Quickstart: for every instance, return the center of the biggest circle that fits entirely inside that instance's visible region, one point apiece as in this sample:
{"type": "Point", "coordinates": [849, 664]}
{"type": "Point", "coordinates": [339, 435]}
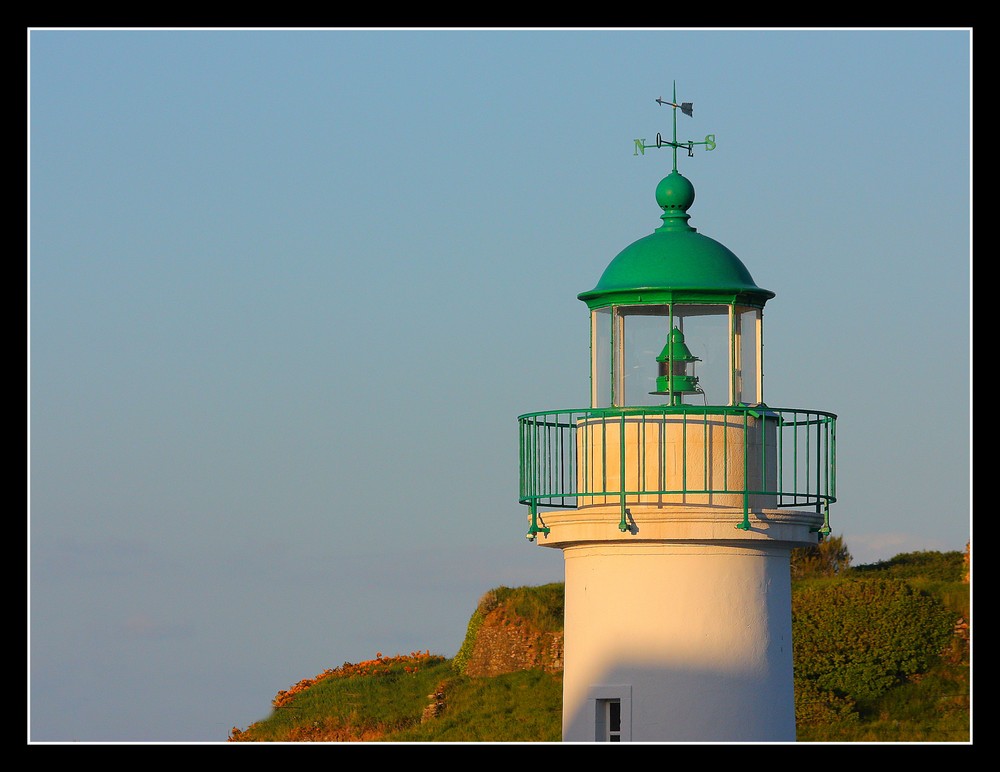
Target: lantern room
{"type": "Point", "coordinates": [676, 318]}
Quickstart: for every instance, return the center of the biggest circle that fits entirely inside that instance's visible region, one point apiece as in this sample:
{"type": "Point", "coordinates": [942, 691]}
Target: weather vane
{"type": "Point", "coordinates": [688, 109]}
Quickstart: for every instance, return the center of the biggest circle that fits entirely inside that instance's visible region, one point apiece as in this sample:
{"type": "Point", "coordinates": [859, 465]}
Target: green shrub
{"type": "Point", "coordinates": [828, 558]}
{"type": "Point", "coordinates": [927, 565]}
{"type": "Point", "coordinates": [859, 638]}
{"type": "Point", "coordinates": [814, 707]}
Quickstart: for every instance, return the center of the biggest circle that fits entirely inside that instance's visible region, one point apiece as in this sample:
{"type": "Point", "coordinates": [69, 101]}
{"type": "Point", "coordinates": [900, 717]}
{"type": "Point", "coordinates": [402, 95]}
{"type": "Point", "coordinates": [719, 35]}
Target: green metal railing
{"type": "Point", "coordinates": [678, 454]}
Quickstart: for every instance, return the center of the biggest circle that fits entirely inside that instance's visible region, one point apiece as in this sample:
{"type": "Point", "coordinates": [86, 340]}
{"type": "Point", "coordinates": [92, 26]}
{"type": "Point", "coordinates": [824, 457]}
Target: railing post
{"type": "Point", "coordinates": [623, 523]}
{"type": "Point", "coordinates": [745, 525]}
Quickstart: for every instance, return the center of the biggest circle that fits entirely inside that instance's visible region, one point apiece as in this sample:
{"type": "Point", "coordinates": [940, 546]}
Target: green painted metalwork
{"type": "Point", "coordinates": [672, 380]}
{"type": "Point", "coordinates": [623, 523]}
{"type": "Point", "coordinates": [675, 263]}
{"type": "Point", "coordinates": [554, 458]}
{"type": "Point", "coordinates": [688, 109]}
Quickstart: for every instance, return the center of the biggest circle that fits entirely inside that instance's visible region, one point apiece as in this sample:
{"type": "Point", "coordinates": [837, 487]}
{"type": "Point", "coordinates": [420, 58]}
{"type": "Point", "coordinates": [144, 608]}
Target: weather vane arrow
{"type": "Point", "coordinates": [687, 108]}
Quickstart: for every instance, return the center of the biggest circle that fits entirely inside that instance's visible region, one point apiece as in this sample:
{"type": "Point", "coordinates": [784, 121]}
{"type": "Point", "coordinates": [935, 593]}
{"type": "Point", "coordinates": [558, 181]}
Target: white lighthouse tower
{"type": "Point", "coordinates": [677, 496]}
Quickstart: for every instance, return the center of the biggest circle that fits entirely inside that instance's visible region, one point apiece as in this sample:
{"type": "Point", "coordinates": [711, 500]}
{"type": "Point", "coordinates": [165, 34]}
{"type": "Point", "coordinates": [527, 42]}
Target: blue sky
{"type": "Point", "coordinates": [290, 289]}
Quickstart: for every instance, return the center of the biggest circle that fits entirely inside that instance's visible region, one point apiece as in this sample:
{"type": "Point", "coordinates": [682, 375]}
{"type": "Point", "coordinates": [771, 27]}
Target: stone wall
{"type": "Point", "coordinates": [506, 643]}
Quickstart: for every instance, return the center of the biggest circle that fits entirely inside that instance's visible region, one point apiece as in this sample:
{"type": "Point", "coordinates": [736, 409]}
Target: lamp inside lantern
{"type": "Point", "coordinates": [676, 369]}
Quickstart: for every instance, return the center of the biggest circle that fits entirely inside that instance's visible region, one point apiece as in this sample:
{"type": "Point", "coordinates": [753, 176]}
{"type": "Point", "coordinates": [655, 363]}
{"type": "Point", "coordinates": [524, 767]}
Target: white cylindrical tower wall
{"type": "Point", "coordinates": [694, 638]}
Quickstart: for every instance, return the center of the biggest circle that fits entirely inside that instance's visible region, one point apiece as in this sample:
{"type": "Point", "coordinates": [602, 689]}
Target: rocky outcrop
{"type": "Point", "coordinates": [505, 642]}
{"type": "Point", "coordinates": [436, 705]}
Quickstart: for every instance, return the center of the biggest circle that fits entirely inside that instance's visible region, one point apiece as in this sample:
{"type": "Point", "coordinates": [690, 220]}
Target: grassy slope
{"type": "Point", "coordinates": [517, 707]}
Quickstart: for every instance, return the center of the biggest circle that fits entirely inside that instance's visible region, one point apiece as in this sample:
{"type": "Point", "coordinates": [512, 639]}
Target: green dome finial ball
{"type": "Point", "coordinates": [675, 192]}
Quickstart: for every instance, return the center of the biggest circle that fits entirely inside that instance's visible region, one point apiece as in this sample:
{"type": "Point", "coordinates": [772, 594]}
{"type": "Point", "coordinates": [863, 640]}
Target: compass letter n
{"type": "Point", "coordinates": [640, 147]}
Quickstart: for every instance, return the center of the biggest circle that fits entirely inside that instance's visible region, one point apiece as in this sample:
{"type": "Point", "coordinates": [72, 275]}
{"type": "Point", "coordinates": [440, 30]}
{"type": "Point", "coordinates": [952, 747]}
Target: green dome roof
{"type": "Point", "coordinates": [675, 263]}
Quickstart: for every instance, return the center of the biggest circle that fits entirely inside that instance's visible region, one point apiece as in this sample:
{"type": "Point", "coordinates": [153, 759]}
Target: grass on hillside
{"type": "Point", "coordinates": [517, 707]}
{"type": "Point", "coordinates": [353, 702]}
{"type": "Point", "coordinates": [389, 703]}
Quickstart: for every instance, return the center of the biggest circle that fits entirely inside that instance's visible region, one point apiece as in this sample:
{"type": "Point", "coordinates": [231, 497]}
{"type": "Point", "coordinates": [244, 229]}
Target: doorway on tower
{"type": "Point", "coordinates": [612, 713]}
{"type": "Point", "coordinates": [610, 729]}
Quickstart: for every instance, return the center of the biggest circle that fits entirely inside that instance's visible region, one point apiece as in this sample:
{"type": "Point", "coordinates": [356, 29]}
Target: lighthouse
{"type": "Point", "coordinates": [677, 495]}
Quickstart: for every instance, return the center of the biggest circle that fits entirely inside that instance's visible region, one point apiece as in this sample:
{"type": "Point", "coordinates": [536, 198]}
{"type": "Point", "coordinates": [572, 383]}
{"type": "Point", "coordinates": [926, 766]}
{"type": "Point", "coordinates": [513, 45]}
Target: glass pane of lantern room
{"type": "Point", "coordinates": [641, 335]}
{"type": "Point", "coordinates": [706, 330]}
{"type": "Point", "coordinates": [643, 332]}
{"type": "Point", "coordinates": [600, 357]}
{"type": "Point", "coordinates": [747, 381]}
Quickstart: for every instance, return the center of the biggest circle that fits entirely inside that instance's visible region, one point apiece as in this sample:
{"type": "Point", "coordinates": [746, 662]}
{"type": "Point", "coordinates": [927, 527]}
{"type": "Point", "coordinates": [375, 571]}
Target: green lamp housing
{"type": "Point", "coordinates": [673, 378]}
